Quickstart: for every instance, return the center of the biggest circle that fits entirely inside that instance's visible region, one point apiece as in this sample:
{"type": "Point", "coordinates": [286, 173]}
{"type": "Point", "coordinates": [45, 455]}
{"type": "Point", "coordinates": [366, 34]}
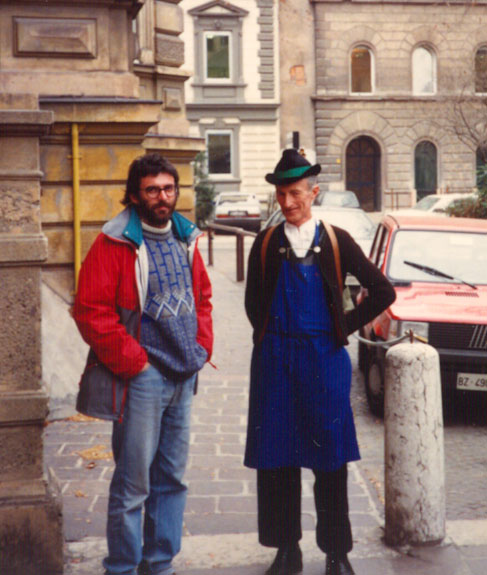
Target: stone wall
{"type": "Point", "coordinates": [30, 508]}
{"type": "Point", "coordinates": [297, 73]}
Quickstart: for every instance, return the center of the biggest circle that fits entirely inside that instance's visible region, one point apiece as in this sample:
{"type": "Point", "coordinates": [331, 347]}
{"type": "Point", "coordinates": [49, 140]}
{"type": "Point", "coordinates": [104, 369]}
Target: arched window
{"type": "Point", "coordinates": [425, 169]}
{"type": "Point", "coordinates": [424, 71]}
{"type": "Point", "coordinates": [481, 70]}
{"type": "Point", "coordinates": [362, 70]}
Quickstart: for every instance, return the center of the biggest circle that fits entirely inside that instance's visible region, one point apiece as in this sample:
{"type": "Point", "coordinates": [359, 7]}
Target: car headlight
{"type": "Point", "coordinates": [419, 328]}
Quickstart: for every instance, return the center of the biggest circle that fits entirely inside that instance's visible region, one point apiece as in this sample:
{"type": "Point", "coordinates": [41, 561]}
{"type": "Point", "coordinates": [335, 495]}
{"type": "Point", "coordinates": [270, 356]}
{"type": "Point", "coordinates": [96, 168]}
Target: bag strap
{"type": "Point", "coordinates": [336, 253]}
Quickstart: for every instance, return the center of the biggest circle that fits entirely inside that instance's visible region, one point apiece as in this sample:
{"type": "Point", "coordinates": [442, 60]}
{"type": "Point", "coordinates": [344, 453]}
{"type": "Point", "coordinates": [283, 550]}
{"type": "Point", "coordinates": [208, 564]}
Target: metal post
{"type": "Point", "coordinates": [210, 246]}
{"type": "Point", "coordinates": [75, 156]}
{"type": "Point", "coordinates": [240, 258]}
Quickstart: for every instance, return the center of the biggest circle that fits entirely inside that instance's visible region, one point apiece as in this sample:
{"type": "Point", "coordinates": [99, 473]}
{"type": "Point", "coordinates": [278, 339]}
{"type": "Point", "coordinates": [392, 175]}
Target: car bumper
{"type": "Point", "coordinates": [252, 224]}
{"type": "Point", "coordinates": [453, 362]}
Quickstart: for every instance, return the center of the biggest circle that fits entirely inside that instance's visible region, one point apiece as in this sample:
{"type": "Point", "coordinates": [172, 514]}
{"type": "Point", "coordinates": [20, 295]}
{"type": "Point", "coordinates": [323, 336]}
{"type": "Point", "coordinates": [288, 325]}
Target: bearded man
{"type": "Point", "coordinates": [143, 306]}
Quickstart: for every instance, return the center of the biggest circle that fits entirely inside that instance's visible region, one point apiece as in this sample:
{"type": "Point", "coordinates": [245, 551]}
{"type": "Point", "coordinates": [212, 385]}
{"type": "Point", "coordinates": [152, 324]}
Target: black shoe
{"type": "Point", "coordinates": [288, 561]}
{"type": "Point", "coordinates": [338, 565]}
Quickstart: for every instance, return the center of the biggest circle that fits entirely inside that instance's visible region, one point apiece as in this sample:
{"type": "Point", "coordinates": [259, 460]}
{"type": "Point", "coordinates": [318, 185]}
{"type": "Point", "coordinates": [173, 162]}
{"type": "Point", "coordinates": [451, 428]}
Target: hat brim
{"type": "Point", "coordinates": [282, 179]}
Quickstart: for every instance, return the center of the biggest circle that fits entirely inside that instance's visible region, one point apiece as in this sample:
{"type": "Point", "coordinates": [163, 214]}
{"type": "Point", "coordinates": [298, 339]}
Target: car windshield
{"type": "Point", "coordinates": [459, 254]}
{"type": "Point", "coordinates": [426, 203]}
{"type": "Point", "coordinates": [357, 223]}
{"type": "Point", "coordinates": [343, 199]}
{"type": "Point", "coordinates": [234, 198]}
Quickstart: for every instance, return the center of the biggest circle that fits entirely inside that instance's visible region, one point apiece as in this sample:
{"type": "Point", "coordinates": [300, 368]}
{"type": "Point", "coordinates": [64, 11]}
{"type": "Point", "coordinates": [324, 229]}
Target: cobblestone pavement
{"type": "Point", "coordinates": [220, 519]}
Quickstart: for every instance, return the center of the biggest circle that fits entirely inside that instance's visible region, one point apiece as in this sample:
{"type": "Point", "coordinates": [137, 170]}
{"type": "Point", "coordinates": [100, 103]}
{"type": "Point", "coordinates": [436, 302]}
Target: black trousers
{"type": "Point", "coordinates": [279, 508]}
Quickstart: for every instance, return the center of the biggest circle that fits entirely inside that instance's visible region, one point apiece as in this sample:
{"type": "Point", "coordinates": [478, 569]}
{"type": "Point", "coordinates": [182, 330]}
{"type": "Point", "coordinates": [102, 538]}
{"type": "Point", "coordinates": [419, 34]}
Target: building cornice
{"type": "Point", "coordinates": [132, 6]}
{"type": "Point", "coordinates": [230, 106]}
{"type": "Point", "coordinates": [472, 3]}
{"type": "Point", "coordinates": [395, 98]}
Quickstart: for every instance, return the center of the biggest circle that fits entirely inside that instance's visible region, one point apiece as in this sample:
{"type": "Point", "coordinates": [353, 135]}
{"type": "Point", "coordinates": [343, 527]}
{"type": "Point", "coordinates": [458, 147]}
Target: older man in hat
{"type": "Point", "coordinates": [299, 411]}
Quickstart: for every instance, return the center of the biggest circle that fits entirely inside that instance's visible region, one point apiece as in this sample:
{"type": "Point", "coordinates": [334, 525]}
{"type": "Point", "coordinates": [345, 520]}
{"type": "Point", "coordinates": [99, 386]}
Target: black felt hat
{"type": "Point", "coordinates": [291, 168]}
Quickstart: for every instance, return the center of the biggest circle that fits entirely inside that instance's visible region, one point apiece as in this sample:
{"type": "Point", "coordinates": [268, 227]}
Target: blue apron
{"type": "Point", "coordinates": [299, 408]}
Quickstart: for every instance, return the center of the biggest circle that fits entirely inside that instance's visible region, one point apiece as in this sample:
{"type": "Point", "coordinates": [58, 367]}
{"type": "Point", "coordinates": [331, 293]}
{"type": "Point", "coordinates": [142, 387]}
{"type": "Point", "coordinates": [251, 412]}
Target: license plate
{"type": "Point", "coordinates": [237, 213]}
{"type": "Point", "coordinates": [472, 381]}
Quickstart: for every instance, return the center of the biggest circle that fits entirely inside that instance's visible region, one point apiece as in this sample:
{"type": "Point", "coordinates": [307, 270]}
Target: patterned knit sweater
{"type": "Point", "coordinates": [169, 325]}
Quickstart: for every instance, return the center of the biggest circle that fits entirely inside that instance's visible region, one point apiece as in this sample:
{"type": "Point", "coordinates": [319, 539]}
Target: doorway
{"type": "Point", "coordinates": [363, 172]}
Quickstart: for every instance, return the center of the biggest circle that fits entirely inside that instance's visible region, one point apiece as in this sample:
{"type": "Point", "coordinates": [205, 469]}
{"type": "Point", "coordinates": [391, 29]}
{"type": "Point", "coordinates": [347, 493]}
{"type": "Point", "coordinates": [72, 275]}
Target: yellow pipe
{"type": "Point", "coordinates": [76, 203]}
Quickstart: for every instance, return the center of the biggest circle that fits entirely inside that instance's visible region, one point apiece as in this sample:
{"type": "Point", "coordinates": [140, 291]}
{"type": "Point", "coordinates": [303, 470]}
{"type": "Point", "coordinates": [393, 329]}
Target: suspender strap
{"type": "Point", "coordinates": [263, 255]}
{"type": "Point", "coordinates": [263, 249]}
{"type": "Point", "coordinates": [336, 253]}
{"type": "Point", "coordinates": [336, 257]}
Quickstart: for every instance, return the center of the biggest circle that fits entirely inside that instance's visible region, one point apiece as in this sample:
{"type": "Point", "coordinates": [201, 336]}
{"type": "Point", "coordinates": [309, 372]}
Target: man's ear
{"type": "Point", "coordinates": [315, 190]}
{"type": "Point", "coordinates": [134, 199]}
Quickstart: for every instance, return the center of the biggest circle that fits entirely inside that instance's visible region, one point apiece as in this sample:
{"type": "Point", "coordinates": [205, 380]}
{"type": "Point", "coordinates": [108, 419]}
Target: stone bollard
{"type": "Point", "coordinates": [414, 457]}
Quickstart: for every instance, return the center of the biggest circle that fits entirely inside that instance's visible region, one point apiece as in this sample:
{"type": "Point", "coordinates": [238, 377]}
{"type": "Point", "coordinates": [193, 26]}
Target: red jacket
{"type": "Point", "coordinates": [111, 292]}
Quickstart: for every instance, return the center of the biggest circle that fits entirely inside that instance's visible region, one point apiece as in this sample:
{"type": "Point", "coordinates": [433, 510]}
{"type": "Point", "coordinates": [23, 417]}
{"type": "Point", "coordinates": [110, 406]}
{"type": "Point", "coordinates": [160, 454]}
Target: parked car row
{"type": "Point", "coordinates": [243, 210]}
{"type": "Point", "coordinates": [438, 267]}
{"type": "Point", "coordinates": [436, 204]}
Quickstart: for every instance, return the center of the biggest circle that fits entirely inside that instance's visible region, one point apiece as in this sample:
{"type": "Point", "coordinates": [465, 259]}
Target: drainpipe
{"type": "Point", "coordinates": [76, 203]}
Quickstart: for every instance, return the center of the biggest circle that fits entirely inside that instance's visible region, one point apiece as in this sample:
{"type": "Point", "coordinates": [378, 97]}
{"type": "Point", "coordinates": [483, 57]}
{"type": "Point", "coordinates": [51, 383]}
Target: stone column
{"type": "Point", "coordinates": [31, 540]}
{"type": "Point", "coordinates": [145, 34]}
{"type": "Point", "coordinates": [164, 81]}
{"type": "Point", "coordinates": [414, 457]}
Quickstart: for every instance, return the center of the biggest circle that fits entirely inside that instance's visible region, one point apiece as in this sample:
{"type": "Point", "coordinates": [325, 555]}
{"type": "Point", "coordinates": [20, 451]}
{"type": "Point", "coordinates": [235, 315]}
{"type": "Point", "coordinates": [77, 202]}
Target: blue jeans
{"type": "Point", "coordinates": [150, 447]}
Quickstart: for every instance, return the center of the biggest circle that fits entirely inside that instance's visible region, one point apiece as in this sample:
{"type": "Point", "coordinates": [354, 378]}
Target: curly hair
{"type": "Point", "coordinates": [148, 165]}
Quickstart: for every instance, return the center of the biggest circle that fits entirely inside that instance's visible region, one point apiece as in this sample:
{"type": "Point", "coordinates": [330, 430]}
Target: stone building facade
{"type": "Point", "coordinates": [232, 99]}
{"type": "Point", "coordinates": [389, 78]}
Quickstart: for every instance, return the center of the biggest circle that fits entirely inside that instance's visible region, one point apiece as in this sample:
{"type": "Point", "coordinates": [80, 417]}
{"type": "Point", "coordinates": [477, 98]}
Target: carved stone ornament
{"type": "Point", "coordinates": [55, 37]}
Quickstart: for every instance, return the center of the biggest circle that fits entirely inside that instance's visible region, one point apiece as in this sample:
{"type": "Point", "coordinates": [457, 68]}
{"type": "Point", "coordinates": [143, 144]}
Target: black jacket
{"type": "Point", "coordinates": [260, 291]}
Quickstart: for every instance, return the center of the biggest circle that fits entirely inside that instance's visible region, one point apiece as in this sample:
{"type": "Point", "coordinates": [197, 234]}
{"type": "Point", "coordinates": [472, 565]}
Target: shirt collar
{"type": "Point", "coordinates": [154, 230]}
{"type": "Point", "coordinates": [306, 230]}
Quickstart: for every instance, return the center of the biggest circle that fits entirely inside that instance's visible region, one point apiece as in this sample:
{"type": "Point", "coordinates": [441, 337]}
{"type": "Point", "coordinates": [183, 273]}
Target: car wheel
{"type": "Point", "coordinates": [374, 385]}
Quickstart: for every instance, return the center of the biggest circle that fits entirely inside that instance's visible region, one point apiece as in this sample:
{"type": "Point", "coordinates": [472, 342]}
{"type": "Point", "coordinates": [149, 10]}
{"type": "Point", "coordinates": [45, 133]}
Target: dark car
{"type": "Point", "coordinates": [438, 267]}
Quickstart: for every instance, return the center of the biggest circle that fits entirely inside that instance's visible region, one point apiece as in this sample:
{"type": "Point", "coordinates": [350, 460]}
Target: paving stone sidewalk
{"type": "Point", "coordinates": [220, 520]}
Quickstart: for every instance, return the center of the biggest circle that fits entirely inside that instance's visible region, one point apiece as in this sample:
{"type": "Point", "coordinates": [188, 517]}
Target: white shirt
{"type": "Point", "coordinates": [301, 238]}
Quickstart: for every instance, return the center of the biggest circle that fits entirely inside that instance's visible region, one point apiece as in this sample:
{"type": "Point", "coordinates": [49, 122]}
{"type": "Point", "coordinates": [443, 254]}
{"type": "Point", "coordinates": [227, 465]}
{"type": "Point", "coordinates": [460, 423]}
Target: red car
{"type": "Point", "coordinates": [438, 267]}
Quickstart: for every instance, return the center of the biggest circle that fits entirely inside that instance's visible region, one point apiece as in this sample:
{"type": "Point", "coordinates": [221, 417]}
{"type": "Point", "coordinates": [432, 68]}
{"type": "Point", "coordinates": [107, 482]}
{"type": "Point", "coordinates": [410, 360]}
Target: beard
{"type": "Point", "coordinates": [158, 214]}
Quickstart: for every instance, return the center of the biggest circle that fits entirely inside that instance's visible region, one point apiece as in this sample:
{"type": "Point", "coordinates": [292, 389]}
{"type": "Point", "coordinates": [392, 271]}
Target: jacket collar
{"type": "Point", "coordinates": [126, 226]}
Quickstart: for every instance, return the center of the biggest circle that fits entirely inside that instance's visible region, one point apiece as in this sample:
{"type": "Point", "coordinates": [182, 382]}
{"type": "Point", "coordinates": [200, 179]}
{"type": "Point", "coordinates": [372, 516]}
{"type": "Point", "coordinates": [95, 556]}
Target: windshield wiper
{"type": "Point", "coordinates": [435, 272]}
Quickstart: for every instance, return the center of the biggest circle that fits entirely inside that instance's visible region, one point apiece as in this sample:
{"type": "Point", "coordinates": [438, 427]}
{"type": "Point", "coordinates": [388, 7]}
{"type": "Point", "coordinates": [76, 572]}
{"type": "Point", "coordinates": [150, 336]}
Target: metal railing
{"type": "Point", "coordinates": [390, 342]}
{"type": "Point", "coordinates": [240, 234]}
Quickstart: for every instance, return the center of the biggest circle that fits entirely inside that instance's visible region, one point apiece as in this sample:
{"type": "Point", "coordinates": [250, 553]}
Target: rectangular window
{"type": "Point", "coordinates": [481, 71]}
{"type": "Point", "coordinates": [219, 149]}
{"type": "Point", "coordinates": [217, 52]}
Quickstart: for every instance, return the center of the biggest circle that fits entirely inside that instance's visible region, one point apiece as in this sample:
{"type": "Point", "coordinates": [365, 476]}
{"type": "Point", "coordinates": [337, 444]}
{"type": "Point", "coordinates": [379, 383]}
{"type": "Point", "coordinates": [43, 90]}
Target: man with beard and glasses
{"type": "Point", "coordinates": [143, 306]}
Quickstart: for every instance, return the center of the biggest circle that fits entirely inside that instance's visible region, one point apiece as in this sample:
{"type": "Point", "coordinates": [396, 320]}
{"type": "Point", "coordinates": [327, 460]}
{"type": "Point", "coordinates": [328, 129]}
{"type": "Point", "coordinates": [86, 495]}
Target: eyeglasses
{"type": "Point", "coordinates": [155, 191]}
